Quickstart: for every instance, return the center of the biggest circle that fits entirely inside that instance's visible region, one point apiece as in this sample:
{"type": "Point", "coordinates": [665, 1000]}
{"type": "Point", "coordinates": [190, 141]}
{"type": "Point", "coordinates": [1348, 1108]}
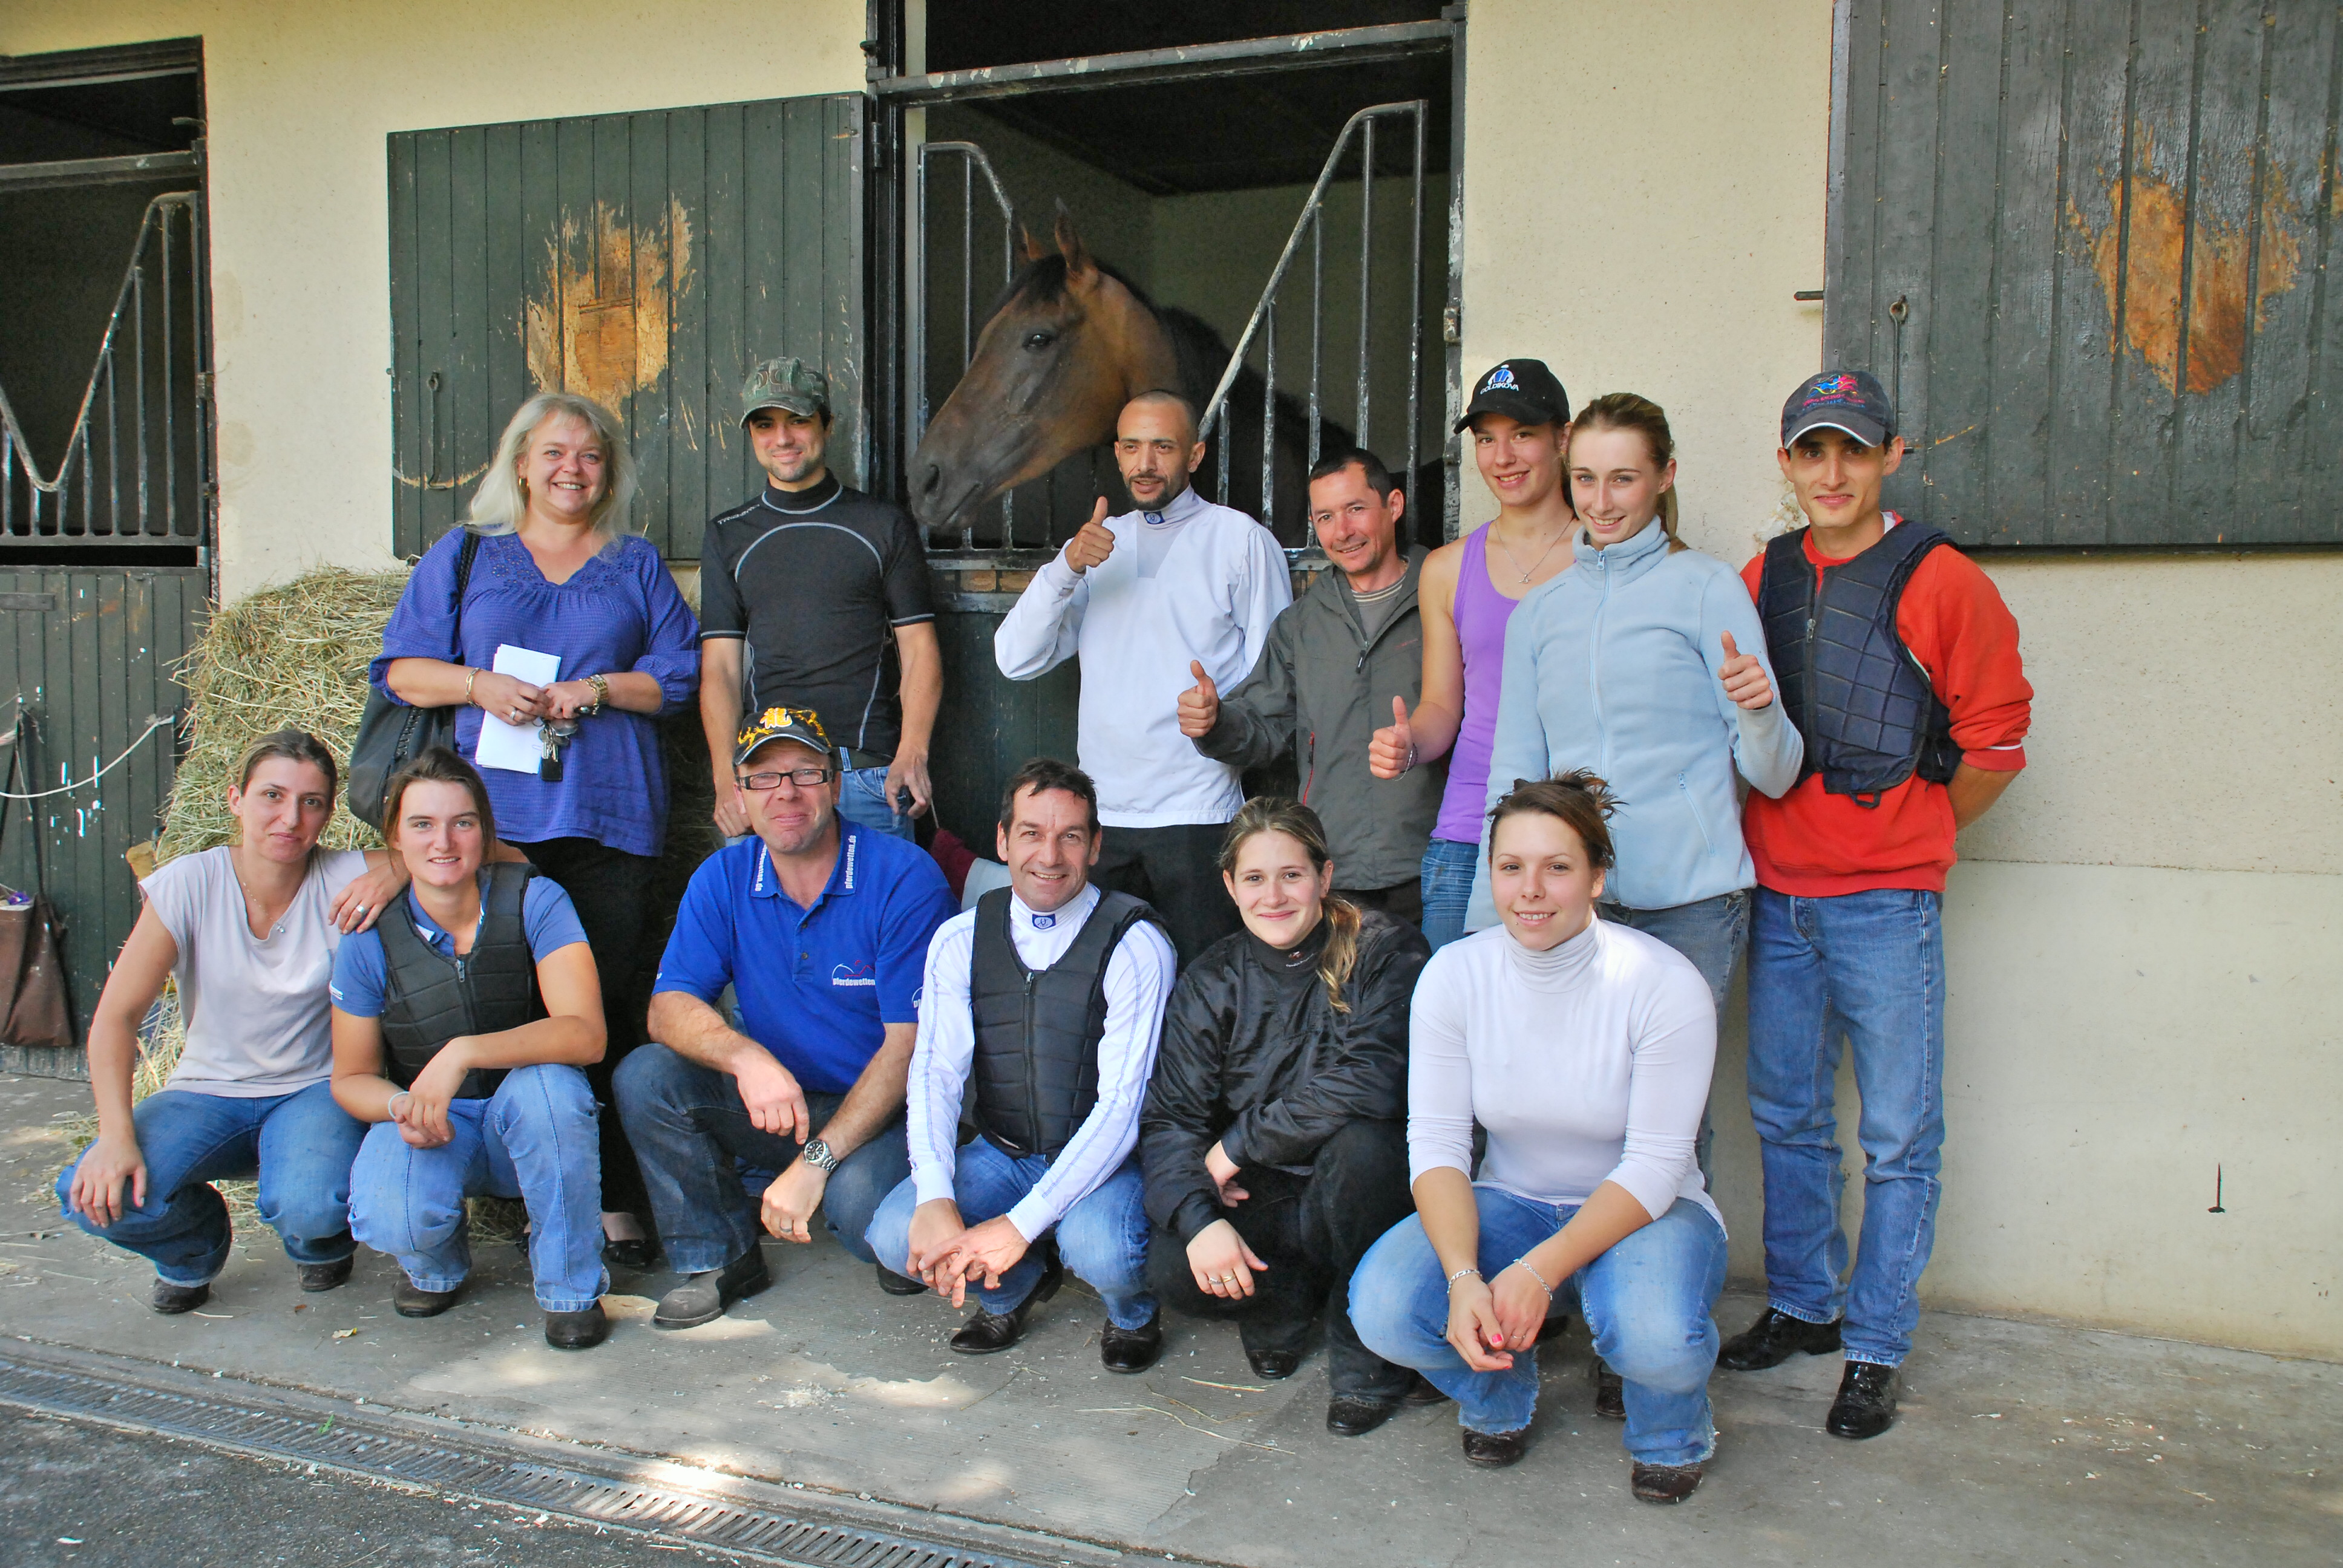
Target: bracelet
{"type": "Point", "coordinates": [390, 1105]}
{"type": "Point", "coordinates": [1411, 759]}
{"type": "Point", "coordinates": [471, 674]}
{"type": "Point", "coordinates": [1523, 1263]}
{"type": "Point", "coordinates": [1460, 1275]}
{"type": "Point", "coordinates": [601, 685]}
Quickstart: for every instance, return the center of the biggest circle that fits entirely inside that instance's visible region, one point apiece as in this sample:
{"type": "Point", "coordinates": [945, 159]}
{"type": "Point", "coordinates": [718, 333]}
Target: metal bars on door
{"type": "Point", "coordinates": [920, 338]}
{"type": "Point", "coordinates": [136, 470]}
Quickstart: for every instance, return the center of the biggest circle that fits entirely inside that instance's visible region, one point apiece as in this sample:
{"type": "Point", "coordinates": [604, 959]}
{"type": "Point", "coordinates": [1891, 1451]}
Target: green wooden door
{"type": "Point", "coordinates": [645, 261]}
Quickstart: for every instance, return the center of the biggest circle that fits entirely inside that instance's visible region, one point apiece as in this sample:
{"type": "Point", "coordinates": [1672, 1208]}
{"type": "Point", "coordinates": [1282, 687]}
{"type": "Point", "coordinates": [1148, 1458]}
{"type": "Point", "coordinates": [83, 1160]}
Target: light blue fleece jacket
{"type": "Point", "coordinates": [1613, 665]}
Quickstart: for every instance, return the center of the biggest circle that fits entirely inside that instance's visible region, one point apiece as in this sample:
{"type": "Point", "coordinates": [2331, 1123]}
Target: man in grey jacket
{"type": "Point", "coordinates": [1337, 659]}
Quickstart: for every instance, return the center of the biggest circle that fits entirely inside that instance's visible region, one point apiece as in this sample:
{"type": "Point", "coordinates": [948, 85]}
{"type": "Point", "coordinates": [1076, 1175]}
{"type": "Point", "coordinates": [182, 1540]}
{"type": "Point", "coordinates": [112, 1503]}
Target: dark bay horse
{"type": "Point", "coordinates": [1070, 343]}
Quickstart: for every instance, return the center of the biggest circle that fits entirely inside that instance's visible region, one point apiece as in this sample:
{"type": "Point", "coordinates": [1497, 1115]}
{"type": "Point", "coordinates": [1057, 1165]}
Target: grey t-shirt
{"type": "Point", "coordinates": [259, 1021]}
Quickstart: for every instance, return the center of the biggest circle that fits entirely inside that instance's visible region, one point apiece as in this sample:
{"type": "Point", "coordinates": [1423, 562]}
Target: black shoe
{"type": "Point", "coordinates": [896, 1284]}
{"type": "Point", "coordinates": [1865, 1405]}
{"type": "Point", "coordinates": [1610, 1391]}
{"type": "Point", "coordinates": [1496, 1450]}
{"type": "Point", "coordinates": [315, 1277]}
{"type": "Point", "coordinates": [1664, 1483]}
{"type": "Point", "coordinates": [576, 1331]}
{"type": "Point", "coordinates": [1773, 1339]}
{"type": "Point", "coordinates": [636, 1254]}
{"type": "Point", "coordinates": [1272, 1364]}
{"type": "Point", "coordinates": [1348, 1415]}
{"type": "Point", "coordinates": [1132, 1350]}
{"type": "Point", "coordinates": [988, 1331]}
{"type": "Point", "coordinates": [1424, 1390]}
{"type": "Point", "coordinates": [412, 1301]}
{"type": "Point", "coordinates": [171, 1299]}
{"type": "Point", "coordinates": [702, 1297]}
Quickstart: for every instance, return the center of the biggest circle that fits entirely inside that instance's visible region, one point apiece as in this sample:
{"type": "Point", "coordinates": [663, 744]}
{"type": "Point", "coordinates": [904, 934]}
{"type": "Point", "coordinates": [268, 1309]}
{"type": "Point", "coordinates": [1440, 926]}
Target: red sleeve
{"type": "Point", "coordinates": [1954, 619]}
{"type": "Point", "coordinates": [1753, 575]}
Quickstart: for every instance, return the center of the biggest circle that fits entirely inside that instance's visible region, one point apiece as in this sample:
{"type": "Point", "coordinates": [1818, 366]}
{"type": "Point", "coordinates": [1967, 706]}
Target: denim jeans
{"type": "Point", "coordinates": [1447, 880]}
{"type": "Point", "coordinates": [1312, 1231]}
{"type": "Point", "coordinates": [1646, 1301]}
{"type": "Point", "coordinates": [707, 1163]}
{"type": "Point", "coordinates": [862, 801]}
{"type": "Point", "coordinates": [300, 1145]}
{"type": "Point", "coordinates": [1711, 933]}
{"type": "Point", "coordinates": [1870, 967]}
{"type": "Point", "coordinates": [534, 1139]}
{"type": "Point", "coordinates": [1102, 1237]}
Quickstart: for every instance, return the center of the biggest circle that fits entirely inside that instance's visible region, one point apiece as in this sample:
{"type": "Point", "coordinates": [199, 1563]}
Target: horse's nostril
{"type": "Point", "coordinates": [930, 479]}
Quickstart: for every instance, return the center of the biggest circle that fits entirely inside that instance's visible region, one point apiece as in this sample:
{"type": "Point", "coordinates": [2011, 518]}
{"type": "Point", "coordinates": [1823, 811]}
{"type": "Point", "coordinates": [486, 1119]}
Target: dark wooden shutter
{"type": "Point", "coordinates": [2042, 186]}
{"type": "Point", "coordinates": [647, 260]}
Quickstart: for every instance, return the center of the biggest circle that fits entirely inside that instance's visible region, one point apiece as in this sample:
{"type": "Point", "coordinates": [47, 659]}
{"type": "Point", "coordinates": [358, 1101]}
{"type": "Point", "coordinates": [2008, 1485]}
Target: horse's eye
{"type": "Point", "coordinates": [1037, 341]}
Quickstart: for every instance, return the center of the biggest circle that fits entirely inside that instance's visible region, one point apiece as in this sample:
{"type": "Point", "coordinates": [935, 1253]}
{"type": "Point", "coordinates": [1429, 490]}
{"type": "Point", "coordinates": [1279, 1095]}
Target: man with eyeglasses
{"type": "Point", "coordinates": [822, 927]}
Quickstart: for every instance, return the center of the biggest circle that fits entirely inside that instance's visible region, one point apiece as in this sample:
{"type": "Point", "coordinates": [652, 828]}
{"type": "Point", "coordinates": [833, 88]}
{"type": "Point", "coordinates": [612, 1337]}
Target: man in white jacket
{"type": "Point", "coordinates": [1151, 601]}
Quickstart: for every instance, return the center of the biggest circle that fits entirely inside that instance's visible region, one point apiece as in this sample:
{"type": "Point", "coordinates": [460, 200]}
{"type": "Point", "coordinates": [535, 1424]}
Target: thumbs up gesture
{"type": "Point", "coordinates": [1094, 543]}
{"type": "Point", "coordinates": [1199, 705]}
{"type": "Point", "coordinates": [1745, 678]}
{"type": "Point", "coordinates": [1392, 752]}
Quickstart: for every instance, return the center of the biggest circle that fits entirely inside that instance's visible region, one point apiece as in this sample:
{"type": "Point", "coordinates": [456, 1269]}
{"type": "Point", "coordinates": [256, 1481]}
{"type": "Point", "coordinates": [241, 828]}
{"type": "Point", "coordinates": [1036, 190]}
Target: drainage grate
{"type": "Point", "coordinates": [381, 1452]}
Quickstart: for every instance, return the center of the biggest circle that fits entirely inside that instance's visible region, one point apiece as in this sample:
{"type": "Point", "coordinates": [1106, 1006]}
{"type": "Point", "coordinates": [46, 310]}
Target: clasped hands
{"type": "Point", "coordinates": [516, 702]}
{"type": "Point", "coordinates": [419, 1111]}
{"type": "Point", "coordinates": [947, 1253]}
{"type": "Point", "coordinates": [1490, 1320]}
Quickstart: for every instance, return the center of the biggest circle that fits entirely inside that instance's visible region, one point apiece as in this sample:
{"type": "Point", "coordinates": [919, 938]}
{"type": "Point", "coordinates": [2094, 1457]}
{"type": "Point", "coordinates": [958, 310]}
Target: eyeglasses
{"type": "Point", "coordinates": [803, 777]}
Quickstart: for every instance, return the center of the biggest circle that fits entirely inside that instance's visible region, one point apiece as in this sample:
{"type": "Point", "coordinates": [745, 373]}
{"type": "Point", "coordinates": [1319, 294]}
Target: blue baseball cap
{"type": "Point", "coordinates": [1848, 400]}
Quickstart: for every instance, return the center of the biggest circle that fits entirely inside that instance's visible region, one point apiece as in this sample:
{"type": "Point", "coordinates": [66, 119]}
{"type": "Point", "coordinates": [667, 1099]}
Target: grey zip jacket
{"type": "Point", "coordinates": [1321, 690]}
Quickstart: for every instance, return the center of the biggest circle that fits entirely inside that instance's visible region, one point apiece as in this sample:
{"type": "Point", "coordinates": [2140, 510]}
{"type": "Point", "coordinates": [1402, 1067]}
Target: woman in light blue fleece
{"type": "Point", "coordinates": [1645, 662]}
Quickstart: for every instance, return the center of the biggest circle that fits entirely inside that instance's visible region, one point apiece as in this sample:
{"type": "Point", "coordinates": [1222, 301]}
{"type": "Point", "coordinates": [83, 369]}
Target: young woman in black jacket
{"type": "Point", "coordinates": [1274, 1138]}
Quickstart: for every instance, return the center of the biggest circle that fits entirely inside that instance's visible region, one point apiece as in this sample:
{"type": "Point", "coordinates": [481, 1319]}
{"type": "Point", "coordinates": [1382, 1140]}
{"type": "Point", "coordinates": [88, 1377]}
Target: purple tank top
{"type": "Point", "coordinates": [1481, 613]}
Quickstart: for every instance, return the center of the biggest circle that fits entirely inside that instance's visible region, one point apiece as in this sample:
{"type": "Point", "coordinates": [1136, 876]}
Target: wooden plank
{"type": "Point", "coordinates": [1853, 285]}
{"type": "Point", "coordinates": [474, 422]}
{"type": "Point", "coordinates": [652, 404]}
{"type": "Point", "coordinates": [103, 810]}
{"type": "Point", "coordinates": [843, 272]}
{"type": "Point", "coordinates": [1907, 219]}
{"type": "Point", "coordinates": [505, 279]}
{"type": "Point", "coordinates": [2082, 372]}
{"type": "Point", "coordinates": [1955, 334]}
{"type": "Point", "coordinates": [2320, 424]}
{"type": "Point", "coordinates": [407, 445]}
{"type": "Point", "coordinates": [541, 231]}
{"type": "Point", "coordinates": [2013, 424]}
{"type": "Point", "coordinates": [727, 281]}
{"type": "Point", "coordinates": [435, 314]}
{"type": "Point", "coordinates": [2142, 438]}
{"type": "Point", "coordinates": [688, 391]}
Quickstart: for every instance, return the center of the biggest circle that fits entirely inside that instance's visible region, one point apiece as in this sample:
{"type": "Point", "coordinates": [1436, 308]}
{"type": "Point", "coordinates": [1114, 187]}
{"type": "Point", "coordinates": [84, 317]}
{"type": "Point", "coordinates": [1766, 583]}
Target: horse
{"type": "Point", "coordinates": [1070, 342]}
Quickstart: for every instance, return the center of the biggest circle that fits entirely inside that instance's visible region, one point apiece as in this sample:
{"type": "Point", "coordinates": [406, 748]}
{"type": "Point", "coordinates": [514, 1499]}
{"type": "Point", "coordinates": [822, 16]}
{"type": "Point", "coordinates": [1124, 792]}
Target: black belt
{"type": "Point", "coordinates": [854, 762]}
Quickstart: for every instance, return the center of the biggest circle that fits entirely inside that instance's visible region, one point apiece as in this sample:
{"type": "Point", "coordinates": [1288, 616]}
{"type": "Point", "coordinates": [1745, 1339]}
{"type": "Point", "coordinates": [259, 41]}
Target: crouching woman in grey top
{"type": "Point", "coordinates": [1585, 1047]}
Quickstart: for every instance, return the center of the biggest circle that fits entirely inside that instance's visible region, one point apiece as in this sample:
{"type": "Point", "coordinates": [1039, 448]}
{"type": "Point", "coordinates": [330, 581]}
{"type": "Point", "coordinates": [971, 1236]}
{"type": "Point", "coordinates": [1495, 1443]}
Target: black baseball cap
{"type": "Point", "coordinates": [1523, 390]}
{"type": "Point", "coordinates": [1849, 400]}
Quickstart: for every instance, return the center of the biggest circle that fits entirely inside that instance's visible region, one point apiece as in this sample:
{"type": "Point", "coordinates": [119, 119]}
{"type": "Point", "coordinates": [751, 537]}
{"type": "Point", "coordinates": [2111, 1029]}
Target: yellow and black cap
{"type": "Point", "coordinates": [796, 724]}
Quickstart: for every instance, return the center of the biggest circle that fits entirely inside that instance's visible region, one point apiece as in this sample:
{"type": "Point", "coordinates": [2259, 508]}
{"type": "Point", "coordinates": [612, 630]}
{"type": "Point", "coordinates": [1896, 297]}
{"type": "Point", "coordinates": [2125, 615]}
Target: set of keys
{"type": "Point", "coordinates": [552, 735]}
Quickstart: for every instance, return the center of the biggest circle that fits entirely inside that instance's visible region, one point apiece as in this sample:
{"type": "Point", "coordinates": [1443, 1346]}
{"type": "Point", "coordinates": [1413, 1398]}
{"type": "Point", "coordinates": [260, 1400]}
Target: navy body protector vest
{"type": "Point", "coordinates": [430, 999]}
{"type": "Point", "coordinates": [1868, 712]}
{"type": "Point", "coordinates": [1038, 1030]}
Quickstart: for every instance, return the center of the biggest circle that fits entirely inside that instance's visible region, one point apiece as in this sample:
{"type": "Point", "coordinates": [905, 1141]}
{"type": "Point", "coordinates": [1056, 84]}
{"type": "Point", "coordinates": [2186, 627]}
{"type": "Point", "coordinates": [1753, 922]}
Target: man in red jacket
{"type": "Point", "coordinates": [1898, 662]}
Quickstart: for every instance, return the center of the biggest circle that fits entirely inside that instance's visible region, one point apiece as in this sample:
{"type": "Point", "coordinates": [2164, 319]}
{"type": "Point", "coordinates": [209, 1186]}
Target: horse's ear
{"type": "Point", "coordinates": [1080, 270]}
{"type": "Point", "coordinates": [1029, 249]}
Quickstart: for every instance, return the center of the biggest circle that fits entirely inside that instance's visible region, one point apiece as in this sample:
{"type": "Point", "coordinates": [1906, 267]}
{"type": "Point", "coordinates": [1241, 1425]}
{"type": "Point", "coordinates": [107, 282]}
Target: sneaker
{"type": "Point", "coordinates": [702, 1297]}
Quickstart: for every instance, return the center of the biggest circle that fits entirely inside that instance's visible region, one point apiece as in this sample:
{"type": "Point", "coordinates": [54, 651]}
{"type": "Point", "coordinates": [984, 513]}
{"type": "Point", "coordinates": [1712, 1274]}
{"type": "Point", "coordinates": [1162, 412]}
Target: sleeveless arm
{"type": "Point", "coordinates": [1519, 749]}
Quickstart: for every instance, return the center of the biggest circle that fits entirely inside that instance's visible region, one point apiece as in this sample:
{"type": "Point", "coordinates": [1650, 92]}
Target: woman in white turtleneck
{"type": "Point", "coordinates": [1585, 1047]}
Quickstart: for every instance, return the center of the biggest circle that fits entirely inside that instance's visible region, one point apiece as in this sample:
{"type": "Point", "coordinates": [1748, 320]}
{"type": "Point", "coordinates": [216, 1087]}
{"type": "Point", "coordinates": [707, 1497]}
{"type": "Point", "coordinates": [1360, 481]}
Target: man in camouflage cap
{"type": "Point", "coordinates": [827, 588]}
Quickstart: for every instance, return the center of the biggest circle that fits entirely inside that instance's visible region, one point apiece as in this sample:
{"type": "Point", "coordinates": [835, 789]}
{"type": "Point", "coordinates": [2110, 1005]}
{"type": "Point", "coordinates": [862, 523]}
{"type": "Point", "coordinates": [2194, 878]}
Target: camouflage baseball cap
{"type": "Point", "coordinates": [788, 383]}
{"type": "Point", "coordinates": [796, 724]}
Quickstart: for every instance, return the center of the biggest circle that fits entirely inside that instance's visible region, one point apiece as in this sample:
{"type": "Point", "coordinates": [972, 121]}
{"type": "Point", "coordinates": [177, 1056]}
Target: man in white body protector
{"type": "Point", "coordinates": [1149, 600]}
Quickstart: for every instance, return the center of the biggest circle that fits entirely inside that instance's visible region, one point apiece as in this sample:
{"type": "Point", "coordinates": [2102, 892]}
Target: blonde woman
{"type": "Point", "coordinates": [556, 573]}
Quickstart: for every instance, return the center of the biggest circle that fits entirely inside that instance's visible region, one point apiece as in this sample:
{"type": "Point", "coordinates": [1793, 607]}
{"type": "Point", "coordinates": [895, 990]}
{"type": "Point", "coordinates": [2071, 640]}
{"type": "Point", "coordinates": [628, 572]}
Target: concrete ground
{"type": "Point", "coordinates": [2018, 1443]}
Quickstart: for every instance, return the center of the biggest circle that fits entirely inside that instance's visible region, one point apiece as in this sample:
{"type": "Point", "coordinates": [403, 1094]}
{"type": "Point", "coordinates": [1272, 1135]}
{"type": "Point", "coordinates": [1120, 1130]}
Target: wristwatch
{"type": "Point", "coordinates": [817, 1154]}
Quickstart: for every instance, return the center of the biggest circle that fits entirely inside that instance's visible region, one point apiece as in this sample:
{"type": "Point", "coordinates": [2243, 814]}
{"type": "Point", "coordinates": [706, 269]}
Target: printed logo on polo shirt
{"type": "Point", "coordinates": [854, 974]}
{"type": "Point", "coordinates": [1501, 379]}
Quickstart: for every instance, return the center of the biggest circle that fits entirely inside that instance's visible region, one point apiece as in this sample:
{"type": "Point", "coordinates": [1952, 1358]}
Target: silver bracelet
{"type": "Point", "coordinates": [1523, 1263]}
{"type": "Point", "coordinates": [1460, 1275]}
{"type": "Point", "coordinates": [390, 1106]}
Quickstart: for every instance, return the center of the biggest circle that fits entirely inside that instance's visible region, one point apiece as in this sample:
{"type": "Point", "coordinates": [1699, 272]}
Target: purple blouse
{"type": "Point", "coordinates": [1481, 613]}
{"type": "Point", "coordinates": [620, 611]}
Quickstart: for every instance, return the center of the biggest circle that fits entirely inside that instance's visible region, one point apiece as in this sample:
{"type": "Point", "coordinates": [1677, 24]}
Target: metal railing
{"type": "Point", "coordinates": [136, 470]}
{"type": "Point", "coordinates": [972, 161]}
{"type": "Point", "coordinates": [1263, 324]}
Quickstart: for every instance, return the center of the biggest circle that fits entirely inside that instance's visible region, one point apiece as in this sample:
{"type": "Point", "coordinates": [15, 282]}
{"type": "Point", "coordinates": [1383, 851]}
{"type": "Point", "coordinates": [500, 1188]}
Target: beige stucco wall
{"type": "Point", "coordinates": [301, 98]}
{"type": "Point", "coordinates": [2141, 941]}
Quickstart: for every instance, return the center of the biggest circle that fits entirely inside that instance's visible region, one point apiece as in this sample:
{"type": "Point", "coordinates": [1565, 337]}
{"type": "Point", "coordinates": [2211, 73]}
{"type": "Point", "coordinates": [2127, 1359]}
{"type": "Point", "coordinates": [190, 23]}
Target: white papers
{"type": "Point", "coordinates": [515, 747]}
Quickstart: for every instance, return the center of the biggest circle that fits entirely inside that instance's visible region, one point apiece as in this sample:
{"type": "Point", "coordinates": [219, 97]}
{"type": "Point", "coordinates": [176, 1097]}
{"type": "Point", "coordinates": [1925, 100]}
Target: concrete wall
{"type": "Point", "coordinates": [2141, 940]}
{"type": "Point", "coordinates": [299, 100]}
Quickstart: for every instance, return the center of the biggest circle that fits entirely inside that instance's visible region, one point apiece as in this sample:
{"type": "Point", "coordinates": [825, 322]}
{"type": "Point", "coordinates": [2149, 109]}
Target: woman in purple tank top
{"type": "Point", "coordinates": [1520, 420]}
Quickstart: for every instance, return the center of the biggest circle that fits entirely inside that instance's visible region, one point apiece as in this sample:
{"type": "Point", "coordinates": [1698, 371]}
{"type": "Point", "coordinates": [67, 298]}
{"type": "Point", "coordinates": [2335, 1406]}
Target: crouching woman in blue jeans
{"type": "Point", "coordinates": [462, 1025]}
{"type": "Point", "coordinates": [1583, 1047]}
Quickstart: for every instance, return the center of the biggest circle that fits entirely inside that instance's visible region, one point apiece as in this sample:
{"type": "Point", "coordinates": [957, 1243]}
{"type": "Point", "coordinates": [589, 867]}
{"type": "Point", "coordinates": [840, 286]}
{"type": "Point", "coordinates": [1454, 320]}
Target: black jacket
{"type": "Point", "coordinates": [1256, 1057]}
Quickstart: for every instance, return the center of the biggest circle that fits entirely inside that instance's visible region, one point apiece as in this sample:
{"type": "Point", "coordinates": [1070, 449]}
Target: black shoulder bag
{"type": "Point", "coordinates": [392, 733]}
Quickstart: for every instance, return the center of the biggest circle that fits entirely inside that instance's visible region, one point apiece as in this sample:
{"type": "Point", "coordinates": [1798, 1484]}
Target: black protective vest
{"type": "Point", "coordinates": [429, 999]}
{"type": "Point", "coordinates": [1038, 1030]}
{"type": "Point", "coordinates": [1869, 713]}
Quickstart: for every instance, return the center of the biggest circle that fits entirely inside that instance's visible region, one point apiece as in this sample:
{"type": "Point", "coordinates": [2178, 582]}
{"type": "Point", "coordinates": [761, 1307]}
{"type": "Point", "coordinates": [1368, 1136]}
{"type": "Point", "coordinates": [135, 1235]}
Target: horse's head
{"type": "Point", "coordinates": [1070, 344]}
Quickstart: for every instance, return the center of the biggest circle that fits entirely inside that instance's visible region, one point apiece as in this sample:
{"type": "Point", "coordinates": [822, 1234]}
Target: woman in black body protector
{"type": "Point", "coordinates": [1273, 1137]}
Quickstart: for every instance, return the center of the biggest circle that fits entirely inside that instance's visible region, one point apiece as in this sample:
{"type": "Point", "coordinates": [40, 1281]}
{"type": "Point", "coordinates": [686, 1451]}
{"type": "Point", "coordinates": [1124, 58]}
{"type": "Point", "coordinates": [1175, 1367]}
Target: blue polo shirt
{"type": "Point", "coordinates": [815, 987]}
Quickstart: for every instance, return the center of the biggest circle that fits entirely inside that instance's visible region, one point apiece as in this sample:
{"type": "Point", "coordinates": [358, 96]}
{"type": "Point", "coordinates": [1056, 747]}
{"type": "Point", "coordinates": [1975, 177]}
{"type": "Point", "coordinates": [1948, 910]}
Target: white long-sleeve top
{"type": "Point", "coordinates": [1139, 975]}
{"type": "Point", "coordinates": [1587, 1063]}
{"type": "Point", "coordinates": [1194, 582]}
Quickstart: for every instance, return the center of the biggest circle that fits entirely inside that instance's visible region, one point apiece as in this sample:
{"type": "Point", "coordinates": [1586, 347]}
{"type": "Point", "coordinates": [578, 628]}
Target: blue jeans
{"type": "Point", "coordinates": [1102, 1237]}
{"type": "Point", "coordinates": [862, 801]}
{"type": "Point", "coordinates": [1646, 1301]}
{"type": "Point", "coordinates": [535, 1139]}
{"type": "Point", "coordinates": [1711, 933]}
{"type": "Point", "coordinates": [706, 1165]}
{"type": "Point", "coordinates": [300, 1145]}
{"type": "Point", "coordinates": [1447, 882]}
{"type": "Point", "coordinates": [1870, 967]}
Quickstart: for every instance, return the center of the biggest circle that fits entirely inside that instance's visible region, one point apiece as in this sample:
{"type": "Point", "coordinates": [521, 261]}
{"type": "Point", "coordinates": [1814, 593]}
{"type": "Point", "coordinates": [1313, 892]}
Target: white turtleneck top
{"type": "Point", "coordinates": [1587, 1063]}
